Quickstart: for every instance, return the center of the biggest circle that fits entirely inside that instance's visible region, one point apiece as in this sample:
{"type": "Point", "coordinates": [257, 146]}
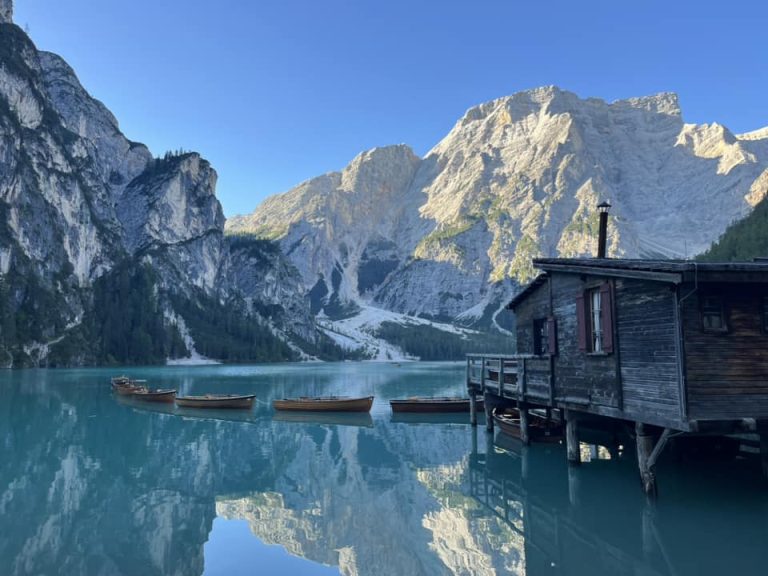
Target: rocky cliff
{"type": "Point", "coordinates": [450, 235]}
{"type": "Point", "coordinates": [79, 201]}
{"type": "Point", "coordinates": [6, 11]}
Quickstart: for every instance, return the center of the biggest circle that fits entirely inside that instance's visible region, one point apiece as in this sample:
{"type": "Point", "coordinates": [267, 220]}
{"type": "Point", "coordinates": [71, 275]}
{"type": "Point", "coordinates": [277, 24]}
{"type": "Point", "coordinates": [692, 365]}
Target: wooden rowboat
{"type": "Point", "coordinates": [432, 404]}
{"type": "Point", "coordinates": [147, 395]}
{"type": "Point", "coordinates": [539, 430]}
{"type": "Point", "coordinates": [124, 386]}
{"type": "Point", "coordinates": [127, 389]}
{"type": "Point", "coordinates": [325, 404]}
{"type": "Point", "coordinates": [216, 401]}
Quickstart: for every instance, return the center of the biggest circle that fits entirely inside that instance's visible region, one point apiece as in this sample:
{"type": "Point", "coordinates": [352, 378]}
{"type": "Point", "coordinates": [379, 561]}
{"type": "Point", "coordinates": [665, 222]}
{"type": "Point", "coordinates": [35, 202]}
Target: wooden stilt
{"type": "Point", "coordinates": [573, 486]}
{"type": "Point", "coordinates": [472, 409]}
{"type": "Point", "coordinates": [488, 404]}
{"type": "Point", "coordinates": [644, 441]}
{"type": "Point", "coordinates": [572, 438]}
{"type": "Point", "coordinates": [649, 539]}
{"type": "Point", "coordinates": [525, 453]}
{"type": "Point", "coordinates": [524, 436]}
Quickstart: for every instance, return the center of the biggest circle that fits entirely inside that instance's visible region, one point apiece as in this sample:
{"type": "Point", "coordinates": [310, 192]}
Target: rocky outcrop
{"type": "Point", "coordinates": [77, 199]}
{"type": "Point", "coordinates": [6, 11]}
{"type": "Point", "coordinates": [518, 177]}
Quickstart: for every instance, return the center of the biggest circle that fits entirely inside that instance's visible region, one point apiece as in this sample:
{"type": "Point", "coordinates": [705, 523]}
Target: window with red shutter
{"type": "Point", "coordinates": [594, 319]}
{"type": "Point", "coordinates": [552, 335]}
{"type": "Point", "coordinates": [606, 317]}
{"type": "Point", "coordinates": [581, 322]}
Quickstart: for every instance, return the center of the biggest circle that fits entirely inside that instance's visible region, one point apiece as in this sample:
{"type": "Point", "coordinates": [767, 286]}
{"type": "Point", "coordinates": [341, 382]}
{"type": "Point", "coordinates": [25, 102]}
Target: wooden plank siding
{"type": "Point", "coordinates": [727, 372]}
{"type": "Point", "coordinates": [579, 376]}
{"type": "Point", "coordinates": [647, 332]}
{"type": "Point", "coordinates": [639, 381]}
{"type": "Point", "coordinates": [665, 369]}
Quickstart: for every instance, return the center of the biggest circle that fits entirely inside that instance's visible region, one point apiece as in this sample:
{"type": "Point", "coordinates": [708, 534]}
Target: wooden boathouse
{"type": "Point", "coordinates": [669, 347]}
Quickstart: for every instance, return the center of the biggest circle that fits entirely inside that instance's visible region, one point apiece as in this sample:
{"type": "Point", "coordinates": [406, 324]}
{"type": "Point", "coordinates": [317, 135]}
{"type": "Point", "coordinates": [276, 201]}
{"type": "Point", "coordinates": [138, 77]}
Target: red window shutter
{"type": "Point", "coordinates": [581, 321]}
{"type": "Point", "coordinates": [552, 335]}
{"type": "Point", "coordinates": [606, 317]}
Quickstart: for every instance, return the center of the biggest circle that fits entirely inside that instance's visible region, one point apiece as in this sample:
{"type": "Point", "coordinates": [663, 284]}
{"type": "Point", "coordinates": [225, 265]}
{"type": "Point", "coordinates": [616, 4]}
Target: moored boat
{"type": "Point", "coordinates": [432, 404]}
{"type": "Point", "coordinates": [148, 395]}
{"type": "Point", "coordinates": [217, 401]}
{"type": "Point", "coordinates": [125, 386]}
{"type": "Point", "coordinates": [539, 430]}
{"type": "Point", "coordinates": [325, 404]}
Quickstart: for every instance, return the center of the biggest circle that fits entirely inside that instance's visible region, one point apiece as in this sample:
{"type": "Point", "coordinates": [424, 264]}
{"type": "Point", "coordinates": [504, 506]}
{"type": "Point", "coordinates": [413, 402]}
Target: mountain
{"type": "Point", "coordinates": [743, 240]}
{"type": "Point", "coordinates": [451, 235]}
{"type": "Point", "coordinates": [110, 255]}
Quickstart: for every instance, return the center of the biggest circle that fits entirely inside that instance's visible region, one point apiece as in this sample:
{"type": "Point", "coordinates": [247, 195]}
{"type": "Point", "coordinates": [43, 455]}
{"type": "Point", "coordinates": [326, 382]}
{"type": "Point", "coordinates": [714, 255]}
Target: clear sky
{"type": "Point", "coordinates": [273, 92]}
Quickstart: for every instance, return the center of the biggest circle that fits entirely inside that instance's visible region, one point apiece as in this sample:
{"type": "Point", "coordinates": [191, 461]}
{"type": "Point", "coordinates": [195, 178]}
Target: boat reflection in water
{"type": "Point", "coordinates": [328, 418]}
{"type": "Point", "coordinates": [92, 486]}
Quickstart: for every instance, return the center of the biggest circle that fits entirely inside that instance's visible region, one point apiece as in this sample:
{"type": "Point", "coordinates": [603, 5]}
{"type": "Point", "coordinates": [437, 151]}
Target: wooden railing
{"type": "Point", "coordinates": [518, 375]}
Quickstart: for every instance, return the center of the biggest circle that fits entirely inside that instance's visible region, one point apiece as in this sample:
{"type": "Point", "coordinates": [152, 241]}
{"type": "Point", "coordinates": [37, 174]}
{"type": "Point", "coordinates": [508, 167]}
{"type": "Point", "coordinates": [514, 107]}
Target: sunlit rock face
{"type": "Point", "coordinates": [516, 178]}
{"type": "Point", "coordinates": [77, 197]}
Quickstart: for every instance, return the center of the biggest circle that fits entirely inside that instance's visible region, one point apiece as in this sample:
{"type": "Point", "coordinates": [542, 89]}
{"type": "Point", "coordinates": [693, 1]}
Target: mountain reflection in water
{"type": "Point", "coordinates": [89, 485]}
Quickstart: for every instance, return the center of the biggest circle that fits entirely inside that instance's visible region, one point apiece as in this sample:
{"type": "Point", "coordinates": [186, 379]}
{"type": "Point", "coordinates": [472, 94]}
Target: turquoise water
{"type": "Point", "coordinates": [93, 485]}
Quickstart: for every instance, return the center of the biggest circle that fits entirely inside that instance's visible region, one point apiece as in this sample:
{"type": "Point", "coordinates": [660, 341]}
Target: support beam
{"type": "Point", "coordinates": [572, 438]}
{"type": "Point", "coordinates": [472, 408]}
{"type": "Point", "coordinates": [648, 452]}
{"type": "Point", "coordinates": [525, 467]}
{"type": "Point", "coordinates": [573, 486]}
{"type": "Point", "coordinates": [489, 404]}
{"type": "Point", "coordinates": [524, 432]}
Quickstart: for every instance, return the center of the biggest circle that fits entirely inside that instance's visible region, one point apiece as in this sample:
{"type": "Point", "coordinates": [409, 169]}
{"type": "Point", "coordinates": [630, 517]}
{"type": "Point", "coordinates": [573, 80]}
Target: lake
{"type": "Point", "coordinates": [90, 484]}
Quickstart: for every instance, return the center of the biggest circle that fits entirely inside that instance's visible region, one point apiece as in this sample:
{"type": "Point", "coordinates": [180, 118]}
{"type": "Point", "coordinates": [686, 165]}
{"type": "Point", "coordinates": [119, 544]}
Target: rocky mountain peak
{"type": "Point", "coordinates": [517, 177]}
{"type": "Point", "coordinates": [6, 11]}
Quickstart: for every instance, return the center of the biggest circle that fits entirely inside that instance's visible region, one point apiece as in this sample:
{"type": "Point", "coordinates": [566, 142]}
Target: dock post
{"type": "Point", "coordinates": [572, 438]}
{"type": "Point", "coordinates": [573, 486]}
{"type": "Point", "coordinates": [472, 408]}
{"type": "Point", "coordinates": [645, 443]}
{"type": "Point", "coordinates": [525, 454]}
{"type": "Point", "coordinates": [488, 405]}
{"type": "Point", "coordinates": [524, 436]}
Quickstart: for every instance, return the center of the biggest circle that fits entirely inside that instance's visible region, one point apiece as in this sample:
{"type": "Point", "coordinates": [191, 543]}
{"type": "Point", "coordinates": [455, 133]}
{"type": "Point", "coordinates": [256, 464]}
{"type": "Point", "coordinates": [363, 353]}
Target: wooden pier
{"type": "Point", "coordinates": [658, 348]}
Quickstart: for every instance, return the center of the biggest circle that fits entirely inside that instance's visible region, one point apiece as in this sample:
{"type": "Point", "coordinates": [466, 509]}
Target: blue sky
{"type": "Point", "coordinates": [273, 92]}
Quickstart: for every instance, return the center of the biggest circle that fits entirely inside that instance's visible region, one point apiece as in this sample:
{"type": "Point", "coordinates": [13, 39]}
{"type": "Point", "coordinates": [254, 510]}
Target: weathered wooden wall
{"type": "Point", "coordinates": [646, 321]}
{"type": "Point", "coordinates": [580, 377]}
{"type": "Point", "coordinates": [727, 373]}
{"type": "Point", "coordinates": [639, 381]}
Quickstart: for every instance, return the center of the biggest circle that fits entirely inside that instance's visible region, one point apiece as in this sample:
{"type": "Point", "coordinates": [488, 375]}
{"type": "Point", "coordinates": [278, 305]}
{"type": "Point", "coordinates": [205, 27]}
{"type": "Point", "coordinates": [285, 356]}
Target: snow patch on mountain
{"type": "Point", "coordinates": [359, 332]}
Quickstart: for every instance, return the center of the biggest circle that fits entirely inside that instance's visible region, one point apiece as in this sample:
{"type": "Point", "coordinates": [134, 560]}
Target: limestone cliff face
{"type": "Point", "coordinates": [516, 178]}
{"type": "Point", "coordinates": [77, 198]}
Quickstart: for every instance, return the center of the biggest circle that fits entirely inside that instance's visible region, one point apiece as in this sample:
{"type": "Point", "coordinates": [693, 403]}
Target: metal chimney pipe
{"type": "Point", "coordinates": [602, 238]}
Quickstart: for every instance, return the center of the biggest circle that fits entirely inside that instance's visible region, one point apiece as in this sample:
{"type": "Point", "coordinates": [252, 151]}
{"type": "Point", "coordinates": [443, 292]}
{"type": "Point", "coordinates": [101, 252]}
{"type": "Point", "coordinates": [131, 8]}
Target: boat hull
{"type": "Point", "coordinates": [432, 405]}
{"type": "Point", "coordinates": [324, 404]}
{"type": "Point", "coordinates": [127, 389]}
{"type": "Point", "coordinates": [234, 402]}
{"type": "Point", "coordinates": [509, 424]}
{"type": "Point", "coordinates": [155, 396]}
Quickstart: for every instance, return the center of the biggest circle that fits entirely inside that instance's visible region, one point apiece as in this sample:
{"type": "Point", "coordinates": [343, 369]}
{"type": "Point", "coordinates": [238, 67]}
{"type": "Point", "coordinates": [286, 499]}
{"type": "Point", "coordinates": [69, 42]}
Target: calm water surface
{"type": "Point", "coordinates": [92, 485]}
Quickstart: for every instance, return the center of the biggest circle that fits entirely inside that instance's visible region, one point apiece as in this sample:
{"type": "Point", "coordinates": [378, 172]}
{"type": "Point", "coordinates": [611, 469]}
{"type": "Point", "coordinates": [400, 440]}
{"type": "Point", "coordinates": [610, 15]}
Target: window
{"type": "Point", "coordinates": [713, 314]}
{"type": "Point", "coordinates": [540, 337]}
{"type": "Point", "coordinates": [594, 319]}
{"type": "Point", "coordinates": [596, 324]}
